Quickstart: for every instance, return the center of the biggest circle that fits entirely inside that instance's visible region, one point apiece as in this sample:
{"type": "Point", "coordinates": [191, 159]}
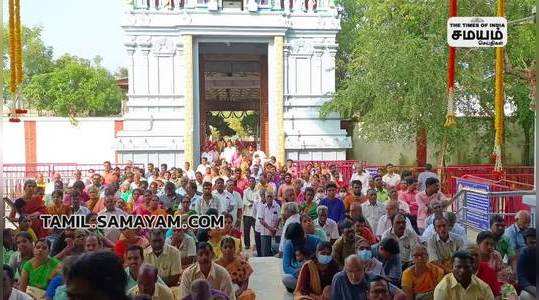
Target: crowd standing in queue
{"type": "Point", "coordinates": [379, 236]}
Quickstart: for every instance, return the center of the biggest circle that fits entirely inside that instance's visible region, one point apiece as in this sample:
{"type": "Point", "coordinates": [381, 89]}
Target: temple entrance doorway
{"type": "Point", "coordinates": [233, 94]}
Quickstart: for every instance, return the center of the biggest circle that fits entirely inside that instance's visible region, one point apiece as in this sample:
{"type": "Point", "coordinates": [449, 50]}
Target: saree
{"type": "Point", "coordinates": [309, 272]}
{"type": "Point", "coordinates": [35, 204]}
{"type": "Point", "coordinates": [239, 271]}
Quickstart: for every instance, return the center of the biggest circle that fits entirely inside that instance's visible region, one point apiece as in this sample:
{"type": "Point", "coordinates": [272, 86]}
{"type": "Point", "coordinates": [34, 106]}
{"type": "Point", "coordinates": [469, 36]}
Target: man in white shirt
{"type": "Point", "coordinates": [110, 211]}
{"type": "Point", "coordinates": [362, 176]}
{"type": "Point", "coordinates": [329, 226]}
{"type": "Point", "coordinates": [391, 179]}
{"type": "Point", "coordinates": [234, 204]}
{"type": "Point", "coordinates": [77, 209]}
{"type": "Point", "coordinates": [228, 152]}
{"type": "Point", "coordinates": [257, 206]}
{"type": "Point", "coordinates": [187, 171]}
{"type": "Point", "coordinates": [250, 195]}
{"type": "Point", "coordinates": [385, 223]}
{"type": "Point", "coordinates": [269, 219]}
{"type": "Point", "coordinates": [373, 209]}
{"type": "Point", "coordinates": [11, 293]}
{"type": "Point", "coordinates": [406, 237]}
{"type": "Point", "coordinates": [203, 165]}
{"type": "Point", "coordinates": [207, 201]}
{"type": "Point", "coordinates": [422, 177]}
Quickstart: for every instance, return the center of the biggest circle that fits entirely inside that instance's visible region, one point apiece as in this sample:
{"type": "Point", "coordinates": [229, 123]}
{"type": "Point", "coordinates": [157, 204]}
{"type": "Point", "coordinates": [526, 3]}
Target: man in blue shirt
{"type": "Point", "coordinates": [336, 209]}
{"type": "Point", "coordinates": [514, 232]}
{"type": "Point", "coordinates": [527, 262]}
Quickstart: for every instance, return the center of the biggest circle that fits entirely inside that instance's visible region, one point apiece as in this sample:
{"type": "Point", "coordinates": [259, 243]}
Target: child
{"type": "Point", "coordinates": [24, 225]}
{"type": "Point", "coordinates": [301, 258]}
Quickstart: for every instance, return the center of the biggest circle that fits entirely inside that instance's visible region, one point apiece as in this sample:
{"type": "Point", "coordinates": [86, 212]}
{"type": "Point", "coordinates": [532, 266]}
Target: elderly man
{"type": "Point", "coordinates": [291, 215]}
{"type": "Point", "coordinates": [442, 245]}
{"type": "Point", "coordinates": [166, 258]}
{"type": "Point", "coordinates": [352, 282]}
{"type": "Point", "coordinates": [454, 227]}
{"type": "Point", "coordinates": [147, 284]}
{"type": "Point", "coordinates": [373, 209]}
{"type": "Point", "coordinates": [328, 225]}
{"type": "Point", "coordinates": [515, 231]}
{"type": "Point", "coordinates": [406, 237]}
{"type": "Point", "coordinates": [392, 209]}
{"type": "Point", "coordinates": [461, 283]}
{"type": "Point", "coordinates": [205, 268]}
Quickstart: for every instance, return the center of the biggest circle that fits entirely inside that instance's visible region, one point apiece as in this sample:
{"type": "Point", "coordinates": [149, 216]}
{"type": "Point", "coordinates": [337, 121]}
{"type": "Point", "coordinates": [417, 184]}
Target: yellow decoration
{"type": "Point", "coordinates": [188, 152]}
{"type": "Point", "coordinates": [499, 113]}
{"type": "Point", "coordinates": [279, 96]}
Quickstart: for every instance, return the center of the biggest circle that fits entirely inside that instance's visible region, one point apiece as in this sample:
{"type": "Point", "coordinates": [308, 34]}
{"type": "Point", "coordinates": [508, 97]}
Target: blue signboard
{"type": "Point", "coordinates": [478, 204]}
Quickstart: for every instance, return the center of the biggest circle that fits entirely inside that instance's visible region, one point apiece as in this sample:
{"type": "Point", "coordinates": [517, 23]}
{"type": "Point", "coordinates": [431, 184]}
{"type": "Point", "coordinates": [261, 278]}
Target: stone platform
{"type": "Point", "coordinates": [266, 279]}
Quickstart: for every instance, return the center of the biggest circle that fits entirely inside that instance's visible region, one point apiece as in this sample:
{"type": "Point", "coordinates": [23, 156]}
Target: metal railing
{"type": "Point", "coordinates": [502, 203]}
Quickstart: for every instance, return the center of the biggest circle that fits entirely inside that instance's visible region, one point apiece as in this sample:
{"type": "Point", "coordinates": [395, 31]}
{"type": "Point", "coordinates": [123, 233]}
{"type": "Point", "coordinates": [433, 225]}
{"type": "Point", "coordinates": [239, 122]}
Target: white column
{"type": "Point", "coordinates": [131, 69]}
{"type": "Point", "coordinates": [286, 71]}
{"type": "Point", "coordinates": [317, 72]}
{"type": "Point", "coordinates": [145, 49]}
{"type": "Point", "coordinates": [279, 99]}
{"type": "Point", "coordinates": [292, 74]}
{"type": "Point", "coordinates": [189, 99]}
{"type": "Point", "coordinates": [331, 77]}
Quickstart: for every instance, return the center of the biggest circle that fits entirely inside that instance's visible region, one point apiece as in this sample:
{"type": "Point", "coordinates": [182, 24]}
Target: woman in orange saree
{"type": "Point", "coordinates": [238, 268]}
{"type": "Point", "coordinates": [31, 205]}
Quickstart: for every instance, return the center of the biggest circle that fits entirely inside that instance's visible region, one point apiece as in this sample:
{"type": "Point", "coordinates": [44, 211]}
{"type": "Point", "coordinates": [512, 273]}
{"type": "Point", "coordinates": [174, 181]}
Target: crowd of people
{"type": "Point", "coordinates": [389, 235]}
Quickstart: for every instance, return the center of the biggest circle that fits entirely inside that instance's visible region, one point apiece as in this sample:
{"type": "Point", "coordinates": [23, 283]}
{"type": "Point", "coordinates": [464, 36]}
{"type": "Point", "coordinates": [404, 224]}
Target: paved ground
{"type": "Point", "coordinates": [266, 279]}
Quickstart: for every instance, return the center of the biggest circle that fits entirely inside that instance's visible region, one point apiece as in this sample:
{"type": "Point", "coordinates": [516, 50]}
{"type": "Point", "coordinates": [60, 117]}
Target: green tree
{"type": "Point", "coordinates": [74, 88]}
{"type": "Point", "coordinates": [392, 65]}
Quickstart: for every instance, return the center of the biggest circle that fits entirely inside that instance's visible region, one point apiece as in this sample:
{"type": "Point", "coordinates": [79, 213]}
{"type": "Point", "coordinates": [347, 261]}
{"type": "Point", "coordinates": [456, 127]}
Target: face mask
{"type": "Point", "coordinates": [342, 195]}
{"type": "Point", "coordinates": [324, 259]}
{"type": "Point", "coordinates": [364, 254]}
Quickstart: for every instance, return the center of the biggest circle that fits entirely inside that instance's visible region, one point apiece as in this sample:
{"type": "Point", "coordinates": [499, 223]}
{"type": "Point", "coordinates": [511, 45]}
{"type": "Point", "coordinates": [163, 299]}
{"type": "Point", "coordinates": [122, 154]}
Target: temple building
{"type": "Point", "coordinates": [189, 59]}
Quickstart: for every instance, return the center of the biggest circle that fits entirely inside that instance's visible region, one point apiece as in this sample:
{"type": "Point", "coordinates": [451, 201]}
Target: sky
{"type": "Point", "coordinates": [84, 28]}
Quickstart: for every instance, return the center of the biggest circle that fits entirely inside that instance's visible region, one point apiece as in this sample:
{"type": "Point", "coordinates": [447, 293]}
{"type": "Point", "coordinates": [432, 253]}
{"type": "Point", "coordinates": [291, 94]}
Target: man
{"type": "Point", "coordinates": [76, 208]}
{"type": "Point", "coordinates": [356, 196]}
{"type": "Point", "coordinates": [166, 258]}
{"type": "Point", "coordinates": [208, 200]}
{"type": "Point", "coordinates": [422, 177]}
{"type": "Point", "coordinates": [454, 227]}
{"type": "Point", "coordinates": [352, 282]}
{"type": "Point", "coordinates": [526, 266]}
{"type": "Point", "coordinates": [109, 212]}
{"type": "Point", "coordinates": [502, 242]}
{"type": "Point", "coordinates": [406, 237]}
{"type": "Point", "coordinates": [355, 211]}
{"type": "Point", "coordinates": [391, 179]}
{"type": "Point", "coordinates": [97, 181]}
{"type": "Point", "coordinates": [336, 209]}
{"type": "Point", "coordinates": [224, 197]}
{"type": "Point", "coordinates": [287, 184]}
{"type": "Point", "coordinates": [269, 219]}
{"type": "Point", "coordinates": [169, 198]}
{"type": "Point", "coordinates": [92, 243]}
{"type": "Point", "coordinates": [380, 187]}
{"type": "Point", "coordinates": [182, 188]}
{"type": "Point", "coordinates": [108, 175]}
{"type": "Point", "coordinates": [514, 232]}
{"type": "Point", "coordinates": [408, 196]}
{"type": "Point", "coordinates": [234, 203]}
{"type": "Point", "coordinates": [203, 165]}
{"type": "Point", "coordinates": [187, 171]}
{"type": "Point", "coordinates": [378, 289]}
{"type": "Point", "coordinates": [147, 284]}
{"type": "Point", "coordinates": [201, 290]}
{"type": "Point", "coordinates": [346, 244]}
{"type": "Point", "coordinates": [362, 176]}
{"type": "Point", "coordinates": [205, 268]}
{"type": "Point", "coordinates": [384, 224]}
{"type": "Point", "coordinates": [442, 245]}
{"type": "Point", "coordinates": [329, 226]}
{"type": "Point", "coordinates": [11, 293]}
{"type": "Point", "coordinates": [55, 184]}
{"type": "Point", "coordinates": [461, 283]}
{"type": "Point", "coordinates": [133, 259]}
{"type": "Point", "coordinates": [373, 209]}
{"type": "Point", "coordinates": [388, 253]}
{"type": "Point", "coordinates": [424, 199]}
{"type": "Point", "coordinates": [185, 243]}
{"type": "Point", "coordinates": [249, 197]}
{"type": "Point", "coordinates": [290, 215]}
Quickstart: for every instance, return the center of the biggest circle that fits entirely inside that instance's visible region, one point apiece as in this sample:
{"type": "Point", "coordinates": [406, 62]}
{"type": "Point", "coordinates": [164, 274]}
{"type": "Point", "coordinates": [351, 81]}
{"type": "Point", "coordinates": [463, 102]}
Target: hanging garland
{"type": "Point", "coordinates": [15, 59]}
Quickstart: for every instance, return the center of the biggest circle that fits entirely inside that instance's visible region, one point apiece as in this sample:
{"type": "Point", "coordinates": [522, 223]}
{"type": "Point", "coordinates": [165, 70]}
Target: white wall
{"type": "Point", "coordinates": [59, 141]}
{"type": "Point", "coordinates": [12, 142]}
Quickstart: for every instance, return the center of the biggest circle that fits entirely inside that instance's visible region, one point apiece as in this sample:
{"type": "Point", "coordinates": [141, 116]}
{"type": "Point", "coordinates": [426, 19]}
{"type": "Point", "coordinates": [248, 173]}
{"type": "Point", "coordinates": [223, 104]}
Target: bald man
{"type": "Point", "coordinates": [515, 231]}
{"type": "Point", "coordinates": [352, 283]}
{"type": "Point", "coordinates": [147, 285]}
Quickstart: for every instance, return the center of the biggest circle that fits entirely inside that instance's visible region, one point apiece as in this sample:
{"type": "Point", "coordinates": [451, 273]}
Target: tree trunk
{"type": "Point", "coordinates": [421, 147]}
{"type": "Point", "coordinates": [526, 159]}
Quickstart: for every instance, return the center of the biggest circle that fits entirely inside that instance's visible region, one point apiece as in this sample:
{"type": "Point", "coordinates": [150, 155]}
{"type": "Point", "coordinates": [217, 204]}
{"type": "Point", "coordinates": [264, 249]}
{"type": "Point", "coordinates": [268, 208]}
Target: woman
{"type": "Point", "coordinates": [229, 227]}
{"type": "Point", "coordinates": [309, 228]}
{"type": "Point", "coordinates": [420, 280]}
{"type": "Point", "coordinates": [72, 243]}
{"type": "Point", "coordinates": [125, 191]}
{"type": "Point", "coordinates": [38, 271]}
{"type": "Point", "coordinates": [315, 276]}
{"type": "Point", "coordinates": [58, 207]}
{"type": "Point", "coordinates": [25, 252]}
{"type": "Point", "coordinates": [216, 236]}
{"type": "Point", "coordinates": [93, 197]}
{"type": "Point", "coordinates": [32, 206]}
{"type": "Point", "coordinates": [309, 206]}
{"type": "Point", "coordinates": [238, 268]}
{"type": "Point", "coordinates": [128, 238]}
{"type": "Point", "coordinates": [143, 208]}
{"type": "Point", "coordinates": [487, 253]}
